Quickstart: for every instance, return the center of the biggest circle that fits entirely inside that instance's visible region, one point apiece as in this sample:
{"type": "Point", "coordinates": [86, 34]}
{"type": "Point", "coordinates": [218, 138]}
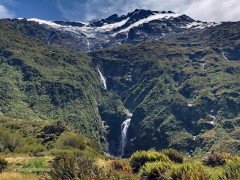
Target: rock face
{"type": "Point", "coordinates": [182, 88]}
{"type": "Point", "coordinates": [183, 94]}
{"type": "Point", "coordinates": [140, 25]}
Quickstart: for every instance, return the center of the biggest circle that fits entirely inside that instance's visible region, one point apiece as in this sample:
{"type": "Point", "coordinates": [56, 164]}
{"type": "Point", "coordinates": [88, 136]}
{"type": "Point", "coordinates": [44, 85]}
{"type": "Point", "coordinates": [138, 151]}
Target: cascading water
{"type": "Point", "coordinates": [124, 129]}
{"type": "Point", "coordinates": [125, 124]}
{"type": "Point", "coordinates": [88, 45]}
{"type": "Point", "coordinates": [103, 80]}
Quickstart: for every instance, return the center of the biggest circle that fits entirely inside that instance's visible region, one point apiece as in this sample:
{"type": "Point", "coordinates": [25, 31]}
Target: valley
{"type": "Point", "coordinates": [148, 80]}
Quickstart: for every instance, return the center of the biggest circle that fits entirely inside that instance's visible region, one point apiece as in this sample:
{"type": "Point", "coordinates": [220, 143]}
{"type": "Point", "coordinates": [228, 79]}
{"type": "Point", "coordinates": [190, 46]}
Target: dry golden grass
{"type": "Point", "coordinates": [18, 176]}
{"type": "Point", "coordinates": [103, 164]}
{"type": "Point", "coordinates": [16, 160]}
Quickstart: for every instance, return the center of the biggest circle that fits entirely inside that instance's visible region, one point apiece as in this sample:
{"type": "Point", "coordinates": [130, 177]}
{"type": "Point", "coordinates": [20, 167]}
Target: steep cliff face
{"type": "Point", "coordinates": [185, 98]}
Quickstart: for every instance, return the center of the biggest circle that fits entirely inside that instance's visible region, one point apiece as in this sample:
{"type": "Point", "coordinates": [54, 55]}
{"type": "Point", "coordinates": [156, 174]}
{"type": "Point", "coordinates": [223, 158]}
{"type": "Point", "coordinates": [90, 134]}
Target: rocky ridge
{"type": "Point", "coordinates": [137, 26]}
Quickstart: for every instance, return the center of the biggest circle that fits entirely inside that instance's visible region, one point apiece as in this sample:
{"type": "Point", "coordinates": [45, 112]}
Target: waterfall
{"type": "Point", "coordinates": [224, 56]}
{"type": "Point", "coordinates": [124, 129]}
{"type": "Point", "coordinates": [88, 45]}
{"type": "Point", "coordinates": [103, 80]}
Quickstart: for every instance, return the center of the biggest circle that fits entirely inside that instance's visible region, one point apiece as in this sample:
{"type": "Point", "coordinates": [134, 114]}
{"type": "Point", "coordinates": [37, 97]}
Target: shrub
{"type": "Point", "coordinates": [156, 170]}
{"type": "Point", "coordinates": [215, 159]}
{"type": "Point", "coordinates": [173, 155]}
{"type": "Point", "coordinates": [3, 164]}
{"type": "Point", "coordinates": [10, 141]}
{"type": "Point", "coordinates": [33, 149]}
{"type": "Point", "coordinates": [232, 169]}
{"type": "Point", "coordinates": [71, 140]}
{"type": "Point", "coordinates": [189, 171]}
{"type": "Point", "coordinates": [121, 165]}
{"type": "Point", "coordinates": [139, 158]}
{"type": "Point", "coordinates": [64, 166]}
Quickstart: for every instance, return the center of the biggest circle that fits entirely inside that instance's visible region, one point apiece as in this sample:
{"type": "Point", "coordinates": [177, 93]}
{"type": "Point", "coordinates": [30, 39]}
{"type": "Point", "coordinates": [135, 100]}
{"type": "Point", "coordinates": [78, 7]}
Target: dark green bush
{"type": "Point", "coordinates": [64, 166]}
{"type": "Point", "coordinates": [173, 155]}
{"type": "Point", "coordinates": [10, 141]}
{"type": "Point", "coordinates": [189, 171]}
{"type": "Point", "coordinates": [67, 166]}
{"type": "Point", "coordinates": [32, 149]}
{"type": "Point", "coordinates": [215, 159]}
{"type": "Point", "coordinates": [3, 164]}
{"type": "Point", "coordinates": [156, 170]}
{"type": "Point", "coordinates": [69, 140]}
{"type": "Point", "coordinates": [139, 158]}
{"type": "Point", "coordinates": [121, 165]}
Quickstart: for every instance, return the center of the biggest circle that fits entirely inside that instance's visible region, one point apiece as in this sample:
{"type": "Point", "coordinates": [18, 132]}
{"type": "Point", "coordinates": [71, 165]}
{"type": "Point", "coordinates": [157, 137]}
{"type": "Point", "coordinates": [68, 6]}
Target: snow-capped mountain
{"type": "Point", "coordinates": [140, 25]}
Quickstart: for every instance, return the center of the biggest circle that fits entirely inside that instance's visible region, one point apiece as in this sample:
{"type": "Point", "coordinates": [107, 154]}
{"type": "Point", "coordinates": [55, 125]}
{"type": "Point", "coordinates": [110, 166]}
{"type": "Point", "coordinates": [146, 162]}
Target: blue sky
{"type": "Point", "coordinates": [84, 10]}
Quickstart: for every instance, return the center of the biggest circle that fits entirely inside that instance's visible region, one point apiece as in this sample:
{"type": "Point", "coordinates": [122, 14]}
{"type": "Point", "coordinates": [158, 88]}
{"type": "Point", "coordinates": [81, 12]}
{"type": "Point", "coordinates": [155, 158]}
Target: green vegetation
{"type": "Point", "coordinates": [3, 164]}
{"type": "Point", "coordinates": [156, 170]}
{"type": "Point", "coordinates": [29, 147]}
{"type": "Point", "coordinates": [190, 171]}
{"type": "Point", "coordinates": [215, 159]}
{"type": "Point", "coordinates": [65, 154]}
{"type": "Point", "coordinates": [180, 91]}
{"type": "Point", "coordinates": [173, 155]}
{"type": "Point", "coordinates": [39, 138]}
{"type": "Point", "coordinates": [179, 95]}
{"type": "Point", "coordinates": [68, 166]}
{"type": "Point", "coordinates": [232, 170]}
{"type": "Point", "coordinates": [41, 82]}
{"type": "Point", "coordinates": [139, 158]}
{"type": "Point", "coordinates": [184, 94]}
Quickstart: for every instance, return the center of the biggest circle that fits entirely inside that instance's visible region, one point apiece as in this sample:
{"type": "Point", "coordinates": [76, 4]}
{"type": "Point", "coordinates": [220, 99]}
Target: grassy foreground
{"type": "Point", "coordinates": [52, 150]}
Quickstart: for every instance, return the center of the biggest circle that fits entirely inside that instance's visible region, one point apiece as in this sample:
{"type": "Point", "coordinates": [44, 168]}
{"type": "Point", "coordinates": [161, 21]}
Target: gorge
{"type": "Point", "coordinates": [170, 83]}
{"type": "Point", "coordinates": [124, 125]}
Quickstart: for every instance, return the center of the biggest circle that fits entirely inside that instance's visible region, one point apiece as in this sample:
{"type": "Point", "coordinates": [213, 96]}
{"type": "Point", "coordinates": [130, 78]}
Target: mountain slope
{"type": "Point", "coordinates": [181, 97]}
{"type": "Point", "coordinates": [183, 88]}
{"type": "Point", "coordinates": [44, 82]}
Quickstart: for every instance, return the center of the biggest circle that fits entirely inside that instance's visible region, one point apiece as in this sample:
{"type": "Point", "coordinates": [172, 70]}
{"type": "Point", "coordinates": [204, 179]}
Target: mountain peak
{"type": "Point", "coordinates": [136, 26]}
{"type": "Point", "coordinates": [140, 13]}
{"type": "Point", "coordinates": [150, 11]}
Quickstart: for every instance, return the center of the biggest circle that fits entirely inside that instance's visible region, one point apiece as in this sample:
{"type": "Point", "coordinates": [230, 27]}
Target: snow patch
{"type": "Point", "coordinates": [199, 25]}
{"type": "Point", "coordinates": [211, 122]}
{"type": "Point", "coordinates": [148, 19]}
{"type": "Point", "coordinates": [190, 105]}
{"type": "Point", "coordinates": [88, 31]}
{"type": "Point", "coordinates": [214, 117]}
{"type": "Point", "coordinates": [40, 21]}
{"type": "Point", "coordinates": [109, 27]}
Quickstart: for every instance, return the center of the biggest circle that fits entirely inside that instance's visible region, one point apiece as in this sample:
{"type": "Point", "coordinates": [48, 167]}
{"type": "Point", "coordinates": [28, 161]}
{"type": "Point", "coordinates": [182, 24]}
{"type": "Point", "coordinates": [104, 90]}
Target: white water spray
{"type": "Point", "coordinates": [103, 80]}
{"type": "Point", "coordinates": [88, 45]}
{"type": "Point", "coordinates": [223, 54]}
{"type": "Point", "coordinates": [124, 129]}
